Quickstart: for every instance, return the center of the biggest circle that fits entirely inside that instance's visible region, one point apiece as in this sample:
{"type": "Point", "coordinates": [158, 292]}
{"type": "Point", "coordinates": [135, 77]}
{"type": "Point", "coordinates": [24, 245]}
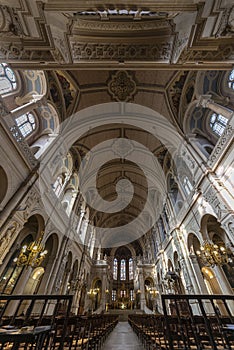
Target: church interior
{"type": "Point", "coordinates": [117, 173]}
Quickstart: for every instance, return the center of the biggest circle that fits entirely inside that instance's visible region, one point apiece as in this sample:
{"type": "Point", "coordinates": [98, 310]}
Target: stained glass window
{"type": "Point", "coordinates": [131, 294]}
{"type": "Point", "coordinates": [57, 187]}
{"type": "Point", "coordinates": [187, 185]}
{"type": "Point", "coordinates": [26, 123]}
{"type": "Point", "coordinates": [115, 269]}
{"type": "Point", "coordinates": [231, 80]}
{"type": "Point", "coordinates": [113, 296]}
{"type": "Point", "coordinates": [131, 275]}
{"type": "Point", "coordinates": [218, 123]}
{"type": "Point", "coordinates": [123, 270]}
{"type": "Point", "coordinates": [7, 79]}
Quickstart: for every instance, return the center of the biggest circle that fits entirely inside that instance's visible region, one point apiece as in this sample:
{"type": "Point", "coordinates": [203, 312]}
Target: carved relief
{"type": "Point", "coordinates": [179, 46]}
{"type": "Point", "coordinates": [222, 53]}
{"type": "Point", "coordinates": [175, 92]}
{"type": "Point", "coordinates": [112, 27]}
{"type": "Point", "coordinates": [9, 23]}
{"type": "Point", "coordinates": [222, 142]}
{"type": "Point", "coordinates": [18, 52]}
{"type": "Point", "coordinates": [24, 147]}
{"type": "Point", "coordinates": [226, 26]}
{"type": "Point", "coordinates": [99, 51]}
{"type": "Point", "coordinates": [121, 86]}
{"type": "Point", "coordinates": [211, 196]}
{"type": "Point", "coordinates": [7, 239]}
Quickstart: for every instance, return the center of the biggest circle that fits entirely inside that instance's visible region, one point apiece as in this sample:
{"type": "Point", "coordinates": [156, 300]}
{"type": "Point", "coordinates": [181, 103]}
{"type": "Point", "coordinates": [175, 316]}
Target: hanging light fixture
{"type": "Point", "coordinates": [32, 254]}
{"type": "Point", "coordinates": [213, 254]}
{"type": "Point", "coordinates": [153, 292]}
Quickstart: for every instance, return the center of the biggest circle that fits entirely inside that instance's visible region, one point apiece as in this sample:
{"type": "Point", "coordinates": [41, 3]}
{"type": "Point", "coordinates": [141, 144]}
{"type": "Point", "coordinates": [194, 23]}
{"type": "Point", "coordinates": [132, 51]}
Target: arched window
{"type": "Point", "coordinates": [58, 185]}
{"type": "Point", "coordinates": [218, 123]}
{"type": "Point", "coordinates": [113, 296]}
{"type": "Point", "coordinates": [26, 123]}
{"type": "Point", "coordinates": [231, 80]}
{"type": "Point", "coordinates": [7, 79]}
{"type": "Point", "coordinates": [131, 294]}
{"type": "Point", "coordinates": [115, 269]}
{"type": "Point", "coordinates": [131, 275]}
{"type": "Point", "coordinates": [187, 185]}
{"type": "Point", "coordinates": [122, 270]}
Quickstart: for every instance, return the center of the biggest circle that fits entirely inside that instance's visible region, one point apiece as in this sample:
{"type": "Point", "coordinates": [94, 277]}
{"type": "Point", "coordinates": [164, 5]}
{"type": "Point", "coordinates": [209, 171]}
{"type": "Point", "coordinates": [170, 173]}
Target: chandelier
{"type": "Point", "coordinates": [93, 292]}
{"type": "Point", "coordinates": [32, 254]}
{"type": "Point", "coordinates": [212, 254]}
{"type": "Point", "coordinates": [153, 292]}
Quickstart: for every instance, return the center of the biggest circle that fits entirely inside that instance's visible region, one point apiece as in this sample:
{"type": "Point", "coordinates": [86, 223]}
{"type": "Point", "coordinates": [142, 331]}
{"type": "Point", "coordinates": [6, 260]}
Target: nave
{"type": "Point", "coordinates": [122, 337]}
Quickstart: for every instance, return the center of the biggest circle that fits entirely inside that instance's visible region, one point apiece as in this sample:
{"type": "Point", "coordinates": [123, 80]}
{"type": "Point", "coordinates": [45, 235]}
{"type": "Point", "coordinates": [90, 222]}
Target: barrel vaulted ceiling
{"type": "Point", "coordinates": [95, 52]}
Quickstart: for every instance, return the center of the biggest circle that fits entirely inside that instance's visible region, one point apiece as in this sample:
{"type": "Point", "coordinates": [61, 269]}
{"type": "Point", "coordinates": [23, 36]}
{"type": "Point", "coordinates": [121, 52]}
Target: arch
{"type": "Point", "coordinates": [4, 184]}
{"type": "Point", "coordinates": [8, 79]}
{"type": "Point", "coordinates": [35, 83]}
{"type": "Point", "coordinates": [193, 243]}
{"type": "Point", "coordinates": [211, 280]}
{"type": "Point", "coordinates": [142, 117]}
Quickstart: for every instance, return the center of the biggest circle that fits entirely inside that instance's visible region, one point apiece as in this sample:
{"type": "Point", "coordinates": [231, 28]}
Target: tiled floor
{"type": "Point", "coordinates": [122, 338]}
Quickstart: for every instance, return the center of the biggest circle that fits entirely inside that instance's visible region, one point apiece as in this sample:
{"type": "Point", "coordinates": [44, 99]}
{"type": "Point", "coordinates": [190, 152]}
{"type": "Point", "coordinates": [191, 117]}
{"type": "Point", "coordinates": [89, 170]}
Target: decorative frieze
{"type": "Point", "coordinates": [120, 52]}
{"type": "Point", "coordinates": [221, 144]}
{"type": "Point", "coordinates": [129, 26]}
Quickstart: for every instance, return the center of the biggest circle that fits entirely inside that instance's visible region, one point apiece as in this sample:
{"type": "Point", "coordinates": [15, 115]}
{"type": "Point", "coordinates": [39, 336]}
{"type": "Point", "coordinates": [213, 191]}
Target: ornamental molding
{"type": "Point", "coordinates": [222, 143]}
{"type": "Point", "coordinates": [222, 52]}
{"type": "Point", "coordinates": [121, 86]}
{"type": "Point", "coordinates": [92, 25]}
{"type": "Point", "coordinates": [23, 146]}
{"type": "Point", "coordinates": [117, 51]}
{"type": "Point", "coordinates": [220, 209]}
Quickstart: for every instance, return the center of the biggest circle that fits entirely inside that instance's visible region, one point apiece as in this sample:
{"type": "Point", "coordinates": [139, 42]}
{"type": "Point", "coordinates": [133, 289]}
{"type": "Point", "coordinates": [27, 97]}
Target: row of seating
{"type": "Point", "coordinates": [173, 333]}
{"type": "Point", "coordinates": [82, 332]}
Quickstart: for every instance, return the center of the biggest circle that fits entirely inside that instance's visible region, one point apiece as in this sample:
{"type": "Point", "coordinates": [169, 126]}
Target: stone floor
{"type": "Point", "coordinates": [122, 338]}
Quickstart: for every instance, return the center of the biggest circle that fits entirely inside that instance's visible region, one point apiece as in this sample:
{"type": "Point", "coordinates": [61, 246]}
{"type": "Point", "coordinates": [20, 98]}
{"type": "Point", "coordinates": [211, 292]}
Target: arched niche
{"type": "Point", "coordinates": [12, 272]}
{"type": "Point", "coordinates": [65, 280]}
{"type": "Point", "coordinates": [149, 284]}
{"type": "Point", "coordinates": [96, 298]}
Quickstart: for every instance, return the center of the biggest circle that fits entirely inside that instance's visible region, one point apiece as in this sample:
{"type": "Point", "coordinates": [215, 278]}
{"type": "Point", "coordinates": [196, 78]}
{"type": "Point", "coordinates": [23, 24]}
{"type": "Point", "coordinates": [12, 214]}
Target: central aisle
{"type": "Point", "coordinates": [121, 338]}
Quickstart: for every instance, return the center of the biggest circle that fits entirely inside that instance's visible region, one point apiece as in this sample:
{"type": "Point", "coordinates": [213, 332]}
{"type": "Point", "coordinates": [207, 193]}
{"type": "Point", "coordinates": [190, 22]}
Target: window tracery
{"type": "Point", "coordinates": [115, 269]}
{"type": "Point", "coordinates": [218, 123]}
{"type": "Point", "coordinates": [123, 270]}
{"type": "Point", "coordinates": [7, 79]}
{"type": "Point", "coordinates": [187, 185]}
{"type": "Point", "coordinates": [26, 123]}
{"type": "Point", "coordinates": [58, 185]}
{"type": "Point", "coordinates": [130, 267]}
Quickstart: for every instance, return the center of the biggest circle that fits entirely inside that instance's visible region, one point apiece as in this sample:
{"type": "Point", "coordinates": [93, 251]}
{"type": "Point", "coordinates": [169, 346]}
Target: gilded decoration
{"type": "Point", "coordinates": [121, 86]}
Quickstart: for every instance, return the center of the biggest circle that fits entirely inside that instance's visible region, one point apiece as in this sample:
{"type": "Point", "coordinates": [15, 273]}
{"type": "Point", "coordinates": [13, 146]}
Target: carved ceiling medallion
{"type": "Point", "coordinates": [121, 86]}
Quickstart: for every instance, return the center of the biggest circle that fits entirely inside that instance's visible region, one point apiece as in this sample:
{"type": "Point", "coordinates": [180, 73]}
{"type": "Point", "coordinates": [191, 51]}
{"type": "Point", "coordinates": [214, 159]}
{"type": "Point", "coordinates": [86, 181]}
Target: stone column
{"type": "Point", "coordinates": [198, 274]}
{"type": "Point", "coordinates": [47, 275]}
{"type": "Point", "coordinates": [142, 289]}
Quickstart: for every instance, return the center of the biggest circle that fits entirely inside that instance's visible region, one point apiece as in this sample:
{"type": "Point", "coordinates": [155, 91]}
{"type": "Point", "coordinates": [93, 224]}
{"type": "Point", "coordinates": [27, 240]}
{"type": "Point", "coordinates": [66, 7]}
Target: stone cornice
{"type": "Point", "coordinates": [132, 26]}
{"type": "Point", "coordinates": [79, 5]}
